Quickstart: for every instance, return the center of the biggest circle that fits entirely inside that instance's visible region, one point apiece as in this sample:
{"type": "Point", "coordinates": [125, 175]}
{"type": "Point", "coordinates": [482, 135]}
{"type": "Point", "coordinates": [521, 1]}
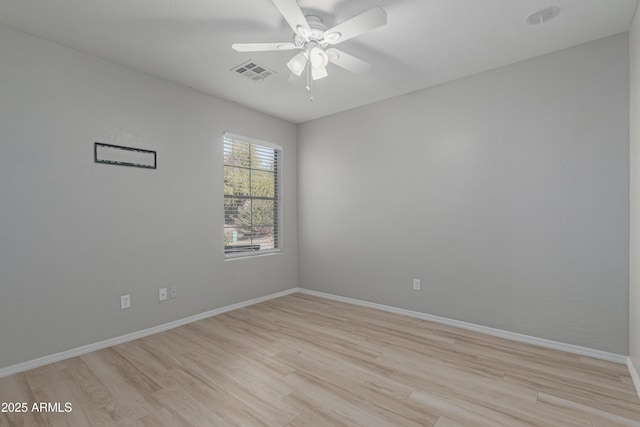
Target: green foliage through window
{"type": "Point", "coordinates": [251, 197]}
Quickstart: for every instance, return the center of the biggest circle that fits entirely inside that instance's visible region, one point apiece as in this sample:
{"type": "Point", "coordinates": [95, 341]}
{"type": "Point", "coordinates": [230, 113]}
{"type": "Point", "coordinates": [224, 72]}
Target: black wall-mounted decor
{"type": "Point", "coordinates": [124, 156]}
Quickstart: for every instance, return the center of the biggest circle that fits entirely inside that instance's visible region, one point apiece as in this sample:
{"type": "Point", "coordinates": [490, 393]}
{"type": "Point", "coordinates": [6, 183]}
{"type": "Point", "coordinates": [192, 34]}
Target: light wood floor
{"type": "Point", "coordinates": [306, 361]}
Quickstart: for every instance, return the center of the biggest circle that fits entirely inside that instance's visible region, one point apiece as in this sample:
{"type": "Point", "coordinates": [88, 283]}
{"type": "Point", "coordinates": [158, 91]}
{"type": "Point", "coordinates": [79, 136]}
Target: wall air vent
{"type": "Point", "coordinates": [252, 71]}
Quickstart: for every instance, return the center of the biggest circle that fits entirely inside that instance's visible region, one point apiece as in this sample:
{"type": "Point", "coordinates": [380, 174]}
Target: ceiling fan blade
{"type": "Point", "coordinates": [348, 62]}
{"type": "Point", "coordinates": [294, 16]}
{"type": "Point", "coordinates": [262, 47]}
{"type": "Point", "coordinates": [366, 21]}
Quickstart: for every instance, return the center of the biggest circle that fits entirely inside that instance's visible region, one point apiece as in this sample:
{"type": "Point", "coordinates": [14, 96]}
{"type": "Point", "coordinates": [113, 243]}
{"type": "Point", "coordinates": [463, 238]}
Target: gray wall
{"type": "Point", "coordinates": [506, 193]}
{"type": "Point", "coordinates": [75, 235]}
{"type": "Point", "coordinates": [634, 193]}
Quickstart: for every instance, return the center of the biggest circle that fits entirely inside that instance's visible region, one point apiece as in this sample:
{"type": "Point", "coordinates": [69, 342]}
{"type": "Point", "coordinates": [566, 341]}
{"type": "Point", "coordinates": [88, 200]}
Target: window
{"type": "Point", "coordinates": [251, 196]}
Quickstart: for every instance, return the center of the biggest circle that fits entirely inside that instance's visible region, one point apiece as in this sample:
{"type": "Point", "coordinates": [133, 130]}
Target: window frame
{"type": "Point", "coordinates": [278, 191]}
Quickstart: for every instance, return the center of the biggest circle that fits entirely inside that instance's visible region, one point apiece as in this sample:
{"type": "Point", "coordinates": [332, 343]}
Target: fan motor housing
{"type": "Point", "coordinates": [317, 27]}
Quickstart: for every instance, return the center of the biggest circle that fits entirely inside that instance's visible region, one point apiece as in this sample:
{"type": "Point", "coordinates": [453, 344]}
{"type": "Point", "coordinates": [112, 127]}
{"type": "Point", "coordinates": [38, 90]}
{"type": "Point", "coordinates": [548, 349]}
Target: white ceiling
{"type": "Point", "coordinates": [426, 42]}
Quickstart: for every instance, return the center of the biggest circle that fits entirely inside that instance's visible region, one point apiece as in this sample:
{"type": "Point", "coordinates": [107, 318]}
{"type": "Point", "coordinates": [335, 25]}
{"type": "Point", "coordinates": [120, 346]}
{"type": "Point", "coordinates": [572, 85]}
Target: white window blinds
{"type": "Point", "coordinates": [251, 196]}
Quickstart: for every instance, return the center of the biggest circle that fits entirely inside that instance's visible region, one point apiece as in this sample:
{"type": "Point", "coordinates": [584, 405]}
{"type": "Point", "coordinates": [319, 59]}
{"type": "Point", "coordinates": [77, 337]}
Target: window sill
{"type": "Point", "coordinates": [245, 255]}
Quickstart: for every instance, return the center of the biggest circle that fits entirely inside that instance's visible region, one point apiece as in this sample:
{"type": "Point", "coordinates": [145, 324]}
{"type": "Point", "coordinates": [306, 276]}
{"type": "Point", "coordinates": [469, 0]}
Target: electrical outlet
{"type": "Point", "coordinates": [162, 294]}
{"type": "Point", "coordinates": [125, 302]}
{"type": "Point", "coordinates": [173, 292]}
{"type": "Point", "coordinates": [416, 284]}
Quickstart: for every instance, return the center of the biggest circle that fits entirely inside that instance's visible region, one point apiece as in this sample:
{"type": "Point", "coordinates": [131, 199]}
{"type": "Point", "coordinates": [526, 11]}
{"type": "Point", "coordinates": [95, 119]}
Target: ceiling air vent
{"type": "Point", "coordinates": [252, 71]}
{"type": "Point", "coordinates": [543, 15]}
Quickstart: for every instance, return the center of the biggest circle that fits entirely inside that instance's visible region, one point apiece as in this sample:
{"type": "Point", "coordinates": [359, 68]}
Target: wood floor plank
{"type": "Point", "coordinates": [344, 378]}
{"type": "Point", "coordinates": [57, 392]}
{"type": "Point", "coordinates": [90, 394]}
{"type": "Point", "coordinates": [465, 412]}
{"type": "Point", "coordinates": [264, 396]}
{"type": "Point", "coordinates": [302, 360]}
{"type": "Point", "coordinates": [340, 404]}
{"type": "Point", "coordinates": [597, 416]}
{"type": "Point", "coordinates": [446, 422]}
{"type": "Point", "coordinates": [15, 389]}
{"type": "Point", "coordinates": [104, 366]}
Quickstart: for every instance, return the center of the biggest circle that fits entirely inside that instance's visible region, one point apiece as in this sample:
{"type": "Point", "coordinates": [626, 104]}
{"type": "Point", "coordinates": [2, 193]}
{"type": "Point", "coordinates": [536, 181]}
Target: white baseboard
{"type": "Point", "coordinates": [583, 351]}
{"type": "Point", "coordinates": [57, 357]}
{"type": "Point", "coordinates": [634, 375]}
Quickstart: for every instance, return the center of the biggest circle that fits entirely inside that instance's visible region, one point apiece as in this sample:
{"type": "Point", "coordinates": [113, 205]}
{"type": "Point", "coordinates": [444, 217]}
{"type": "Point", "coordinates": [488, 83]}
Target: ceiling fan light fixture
{"type": "Point", "coordinates": [318, 58]}
{"type": "Point", "coordinates": [298, 63]}
{"type": "Point", "coordinates": [332, 37]}
{"type": "Point", "coordinates": [319, 73]}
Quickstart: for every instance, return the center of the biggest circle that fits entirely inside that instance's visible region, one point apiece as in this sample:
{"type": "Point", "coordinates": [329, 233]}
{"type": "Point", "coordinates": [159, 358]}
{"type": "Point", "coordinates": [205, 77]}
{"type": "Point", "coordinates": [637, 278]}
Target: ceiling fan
{"type": "Point", "coordinates": [314, 40]}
